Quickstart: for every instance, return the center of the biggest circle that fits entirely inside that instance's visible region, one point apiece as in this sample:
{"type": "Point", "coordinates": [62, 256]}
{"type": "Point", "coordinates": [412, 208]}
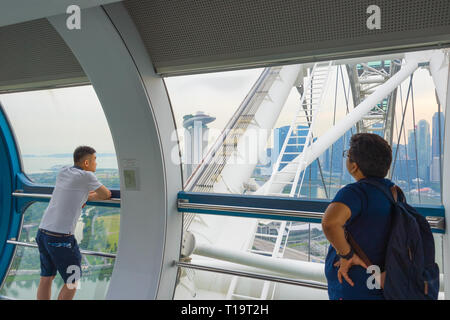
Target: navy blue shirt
{"type": "Point", "coordinates": [369, 225]}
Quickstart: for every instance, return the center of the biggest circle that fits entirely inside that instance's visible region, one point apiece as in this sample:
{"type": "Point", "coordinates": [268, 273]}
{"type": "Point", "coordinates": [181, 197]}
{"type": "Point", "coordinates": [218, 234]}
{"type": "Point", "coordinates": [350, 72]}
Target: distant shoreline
{"type": "Point", "coordinates": [63, 155]}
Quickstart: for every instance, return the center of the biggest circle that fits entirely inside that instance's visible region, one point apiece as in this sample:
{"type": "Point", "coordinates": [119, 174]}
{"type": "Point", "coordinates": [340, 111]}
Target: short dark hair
{"type": "Point", "coordinates": [372, 154]}
{"type": "Point", "coordinates": [82, 151]}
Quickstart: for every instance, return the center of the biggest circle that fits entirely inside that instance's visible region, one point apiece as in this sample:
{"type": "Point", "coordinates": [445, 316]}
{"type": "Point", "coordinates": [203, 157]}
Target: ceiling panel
{"type": "Point", "coordinates": [33, 55]}
{"type": "Point", "coordinates": [188, 36]}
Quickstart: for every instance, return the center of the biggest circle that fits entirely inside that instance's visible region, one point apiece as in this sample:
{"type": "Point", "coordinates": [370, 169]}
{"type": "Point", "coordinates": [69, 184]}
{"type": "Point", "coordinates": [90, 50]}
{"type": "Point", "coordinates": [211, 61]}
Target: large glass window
{"type": "Point", "coordinates": [97, 230]}
{"type": "Point", "coordinates": [408, 115]}
{"type": "Point", "coordinates": [210, 100]}
{"type": "Point", "coordinates": [50, 124]}
{"type": "Point", "coordinates": [265, 119]}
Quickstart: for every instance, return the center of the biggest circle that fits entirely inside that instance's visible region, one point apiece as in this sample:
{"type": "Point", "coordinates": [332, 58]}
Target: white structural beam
{"type": "Point", "coordinates": [287, 267]}
{"type": "Point", "coordinates": [137, 108]}
{"type": "Point", "coordinates": [251, 147]}
{"type": "Point", "coordinates": [332, 135]}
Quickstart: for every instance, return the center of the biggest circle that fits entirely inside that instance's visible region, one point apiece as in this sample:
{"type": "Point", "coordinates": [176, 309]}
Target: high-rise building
{"type": "Point", "coordinates": [279, 136]}
{"type": "Point", "coordinates": [437, 117]}
{"type": "Point", "coordinates": [377, 128]}
{"type": "Point", "coordinates": [337, 161]}
{"type": "Point", "coordinates": [405, 172]}
{"type": "Point", "coordinates": [346, 176]}
{"type": "Point", "coordinates": [436, 150]}
{"type": "Point", "coordinates": [325, 160]}
{"type": "Point", "coordinates": [411, 144]}
{"type": "Point", "coordinates": [424, 149]}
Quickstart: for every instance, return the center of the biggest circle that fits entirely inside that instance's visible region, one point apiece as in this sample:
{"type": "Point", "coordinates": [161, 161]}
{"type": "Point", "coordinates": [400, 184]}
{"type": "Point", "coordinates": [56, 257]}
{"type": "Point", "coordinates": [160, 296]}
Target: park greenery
{"type": "Point", "coordinates": [100, 232]}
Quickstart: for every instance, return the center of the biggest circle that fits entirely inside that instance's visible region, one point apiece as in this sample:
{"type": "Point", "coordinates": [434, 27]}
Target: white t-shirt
{"type": "Point", "coordinates": [71, 192]}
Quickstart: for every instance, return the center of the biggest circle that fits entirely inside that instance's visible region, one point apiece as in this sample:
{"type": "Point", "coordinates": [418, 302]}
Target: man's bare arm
{"type": "Point", "coordinates": [101, 193]}
{"type": "Point", "coordinates": [334, 219]}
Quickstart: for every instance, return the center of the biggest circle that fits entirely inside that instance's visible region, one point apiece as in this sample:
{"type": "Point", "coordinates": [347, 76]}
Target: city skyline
{"type": "Point", "coordinates": [332, 157]}
{"type": "Point", "coordinates": [77, 116]}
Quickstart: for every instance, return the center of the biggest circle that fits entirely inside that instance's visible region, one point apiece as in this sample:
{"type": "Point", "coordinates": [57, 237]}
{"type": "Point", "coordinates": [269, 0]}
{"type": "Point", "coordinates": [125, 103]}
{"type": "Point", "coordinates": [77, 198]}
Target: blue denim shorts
{"type": "Point", "coordinates": [59, 253]}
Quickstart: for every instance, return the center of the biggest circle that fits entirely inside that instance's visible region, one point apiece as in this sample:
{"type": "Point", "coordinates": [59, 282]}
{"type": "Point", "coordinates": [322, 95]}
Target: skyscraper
{"type": "Point", "coordinates": [436, 150]}
{"type": "Point", "coordinates": [325, 160]}
{"type": "Point", "coordinates": [279, 136]}
{"type": "Point", "coordinates": [337, 164]}
{"type": "Point", "coordinates": [438, 116]}
{"type": "Point", "coordinates": [380, 130]}
{"type": "Point", "coordinates": [411, 144]}
{"type": "Point", "coordinates": [423, 149]}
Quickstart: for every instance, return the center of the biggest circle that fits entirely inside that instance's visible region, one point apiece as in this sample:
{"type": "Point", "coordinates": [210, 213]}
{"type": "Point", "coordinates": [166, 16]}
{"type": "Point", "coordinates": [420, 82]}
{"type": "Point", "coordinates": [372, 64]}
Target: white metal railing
{"type": "Point", "coordinates": [85, 252]}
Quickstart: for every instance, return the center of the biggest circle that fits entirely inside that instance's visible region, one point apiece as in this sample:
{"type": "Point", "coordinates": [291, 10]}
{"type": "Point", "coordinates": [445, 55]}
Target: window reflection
{"type": "Point", "coordinates": [23, 278]}
{"type": "Point", "coordinates": [96, 230]}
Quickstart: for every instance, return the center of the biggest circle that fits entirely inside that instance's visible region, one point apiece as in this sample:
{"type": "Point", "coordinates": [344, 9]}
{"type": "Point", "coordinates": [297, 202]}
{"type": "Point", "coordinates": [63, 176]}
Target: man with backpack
{"type": "Point", "coordinates": [368, 228]}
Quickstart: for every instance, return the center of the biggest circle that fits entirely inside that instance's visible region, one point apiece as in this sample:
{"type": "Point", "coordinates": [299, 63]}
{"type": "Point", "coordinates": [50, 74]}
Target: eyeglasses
{"type": "Point", "coordinates": [345, 153]}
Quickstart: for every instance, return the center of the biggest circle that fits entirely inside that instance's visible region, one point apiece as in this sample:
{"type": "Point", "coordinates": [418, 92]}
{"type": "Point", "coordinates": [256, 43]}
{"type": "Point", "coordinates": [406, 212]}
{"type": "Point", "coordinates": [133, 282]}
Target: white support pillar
{"type": "Point", "coordinates": [287, 267]}
{"type": "Point", "coordinates": [251, 147]}
{"type": "Point", "coordinates": [134, 99]}
{"type": "Point", "coordinates": [446, 187]}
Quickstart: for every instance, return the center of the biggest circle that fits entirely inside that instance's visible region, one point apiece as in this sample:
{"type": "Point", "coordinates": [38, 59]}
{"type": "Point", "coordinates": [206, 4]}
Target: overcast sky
{"type": "Point", "coordinates": [56, 121]}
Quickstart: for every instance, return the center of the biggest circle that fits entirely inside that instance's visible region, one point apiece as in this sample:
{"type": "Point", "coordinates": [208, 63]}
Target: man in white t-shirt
{"type": "Point", "coordinates": [58, 248]}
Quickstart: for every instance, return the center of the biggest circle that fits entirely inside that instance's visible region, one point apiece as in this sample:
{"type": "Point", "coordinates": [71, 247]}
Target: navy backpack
{"type": "Point", "coordinates": [411, 270]}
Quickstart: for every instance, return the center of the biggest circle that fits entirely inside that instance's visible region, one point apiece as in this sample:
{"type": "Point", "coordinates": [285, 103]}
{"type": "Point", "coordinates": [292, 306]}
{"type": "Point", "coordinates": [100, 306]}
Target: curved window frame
{"type": "Point", "coordinates": [19, 193]}
{"type": "Point", "coordinates": [10, 220]}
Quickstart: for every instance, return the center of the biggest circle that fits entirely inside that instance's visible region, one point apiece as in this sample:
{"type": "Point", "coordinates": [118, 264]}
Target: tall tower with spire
{"type": "Point", "coordinates": [195, 140]}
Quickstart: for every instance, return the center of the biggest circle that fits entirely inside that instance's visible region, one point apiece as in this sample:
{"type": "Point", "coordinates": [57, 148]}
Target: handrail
{"type": "Point", "coordinates": [278, 208]}
{"type": "Point", "coordinates": [251, 210]}
{"type": "Point", "coordinates": [48, 196]}
{"type": "Point", "coordinates": [85, 252]}
{"type": "Point", "coordinates": [303, 283]}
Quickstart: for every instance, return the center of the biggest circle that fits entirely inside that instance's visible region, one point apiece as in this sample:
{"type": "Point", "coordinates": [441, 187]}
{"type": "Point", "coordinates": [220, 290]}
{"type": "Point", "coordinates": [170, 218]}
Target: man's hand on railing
{"type": "Point", "coordinates": [92, 196]}
{"type": "Point", "coordinates": [101, 193]}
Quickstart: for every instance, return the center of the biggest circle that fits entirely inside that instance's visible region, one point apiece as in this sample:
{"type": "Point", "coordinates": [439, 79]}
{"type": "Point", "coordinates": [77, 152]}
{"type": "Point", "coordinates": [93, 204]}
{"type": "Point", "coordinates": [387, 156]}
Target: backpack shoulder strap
{"type": "Point", "coordinates": [357, 249]}
{"type": "Point", "coordinates": [392, 196]}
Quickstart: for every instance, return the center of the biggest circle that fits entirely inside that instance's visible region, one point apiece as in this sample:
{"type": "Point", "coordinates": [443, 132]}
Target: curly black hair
{"type": "Point", "coordinates": [372, 154]}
